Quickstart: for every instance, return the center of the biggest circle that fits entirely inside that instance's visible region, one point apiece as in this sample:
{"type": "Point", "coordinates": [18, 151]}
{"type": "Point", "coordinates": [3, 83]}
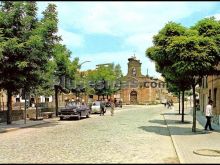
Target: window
{"type": "Point", "coordinates": [206, 82]}
{"type": "Point", "coordinates": [134, 72]}
{"type": "Point", "coordinates": [17, 100]}
{"type": "Point", "coordinates": [46, 99]}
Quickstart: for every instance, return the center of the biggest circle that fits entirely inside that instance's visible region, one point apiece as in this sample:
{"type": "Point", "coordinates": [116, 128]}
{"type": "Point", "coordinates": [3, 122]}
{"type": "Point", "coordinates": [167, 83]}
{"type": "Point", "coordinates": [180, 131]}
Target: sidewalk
{"type": "Point", "coordinates": [20, 124]}
{"type": "Point", "coordinates": [187, 143]}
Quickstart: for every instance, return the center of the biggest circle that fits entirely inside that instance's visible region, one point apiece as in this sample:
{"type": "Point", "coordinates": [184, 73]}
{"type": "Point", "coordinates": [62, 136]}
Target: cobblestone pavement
{"type": "Point", "coordinates": [127, 137]}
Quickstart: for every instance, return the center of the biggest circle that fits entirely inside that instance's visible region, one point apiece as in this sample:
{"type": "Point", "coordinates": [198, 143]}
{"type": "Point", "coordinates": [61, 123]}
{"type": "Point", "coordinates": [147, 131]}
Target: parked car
{"type": "Point", "coordinates": [108, 104]}
{"type": "Point", "coordinates": [118, 104]}
{"type": "Point", "coordinates": [74, 110]}
{"type": "Point", "coordinates": [96, 107]}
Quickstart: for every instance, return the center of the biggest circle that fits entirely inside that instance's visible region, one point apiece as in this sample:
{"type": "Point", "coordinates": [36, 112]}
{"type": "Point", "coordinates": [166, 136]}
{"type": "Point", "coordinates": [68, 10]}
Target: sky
{"type": "Point", "coordinates": [113, 31]}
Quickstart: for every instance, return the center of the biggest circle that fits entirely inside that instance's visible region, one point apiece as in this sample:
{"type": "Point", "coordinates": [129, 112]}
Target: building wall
{"type": "Point", "coordinates": [211, 88]}
{"type": "Point", "coordinates": [148, 90]}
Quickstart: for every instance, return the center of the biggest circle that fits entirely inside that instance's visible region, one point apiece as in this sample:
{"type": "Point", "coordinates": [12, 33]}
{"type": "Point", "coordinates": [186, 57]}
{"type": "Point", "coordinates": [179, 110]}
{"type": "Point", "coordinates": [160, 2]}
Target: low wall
{"type": "Point", "coordinates": [19, 114]}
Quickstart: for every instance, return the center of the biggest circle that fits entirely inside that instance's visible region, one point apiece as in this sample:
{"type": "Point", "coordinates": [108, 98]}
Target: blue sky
{"type": "Point", "coordinates": [112, 31]}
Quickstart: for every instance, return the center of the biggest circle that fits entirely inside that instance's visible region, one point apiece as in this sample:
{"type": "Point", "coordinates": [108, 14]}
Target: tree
{"type": "Point", "coordinates": [197, 57]}
{"type": "Point", "coordinates": [210, 27]}
{"type": "Point", "coordinates": [47, 87]}
{"type": "Point", "coordinates": [65, 71]}
{"type": "Point", "coordinates": [178, 84]}
{"type": "Point", "coordinates": [183, 50]}
{"type": "Point", "coordinates": [26, 47]}
{"type": "Point", "coordinates": [104, 79]}
{"type": "Point", "coordinates": [14, 62]}
{"type": "Point", "coordinates": [164, 60]}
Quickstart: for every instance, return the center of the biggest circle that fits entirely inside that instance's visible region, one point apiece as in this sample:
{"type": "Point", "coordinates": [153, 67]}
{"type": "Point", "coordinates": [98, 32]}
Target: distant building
{"type": "Point", "coordinates": [140, 89]}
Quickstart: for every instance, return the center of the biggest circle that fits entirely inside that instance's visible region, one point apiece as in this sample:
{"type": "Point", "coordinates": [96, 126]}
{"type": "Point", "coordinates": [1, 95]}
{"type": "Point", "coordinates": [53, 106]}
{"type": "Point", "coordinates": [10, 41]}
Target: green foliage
{"type": "Point", "coordinates": [64, 66]}
{"type": "Point", "coordinates": [207, 27]}
{"type": "Point", "coordinates": [61, 56]}
{"type": "Point", "coordinates": [181, 54]}
{"type": "Point", "coordinates": [107, 75]}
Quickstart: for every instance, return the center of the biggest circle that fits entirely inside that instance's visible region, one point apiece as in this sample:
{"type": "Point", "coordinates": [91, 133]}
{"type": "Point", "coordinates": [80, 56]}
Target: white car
{"type": "Point", "coordinates": [96, 107]}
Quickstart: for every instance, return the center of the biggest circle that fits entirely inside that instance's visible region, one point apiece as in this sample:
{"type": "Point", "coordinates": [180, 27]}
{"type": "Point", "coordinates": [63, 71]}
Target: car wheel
{"type": "Point", "coordinates": [61, 118]}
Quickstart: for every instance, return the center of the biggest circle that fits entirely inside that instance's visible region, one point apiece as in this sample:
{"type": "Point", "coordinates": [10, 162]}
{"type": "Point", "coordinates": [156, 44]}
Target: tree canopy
{"type": "Point", "coordinates": [184, 55]}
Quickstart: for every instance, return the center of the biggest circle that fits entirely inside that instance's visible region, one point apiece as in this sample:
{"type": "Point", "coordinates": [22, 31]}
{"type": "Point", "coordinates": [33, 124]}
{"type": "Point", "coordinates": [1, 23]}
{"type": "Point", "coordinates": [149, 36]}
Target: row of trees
{"type": "Point", "coordinates": [184, 55]}
{"type": "Point", "coordinates": [31, 56]}
{"type": "Point", "coordinates": [105, 80]}
{"type": "Point", "coordinates": [33, 59]}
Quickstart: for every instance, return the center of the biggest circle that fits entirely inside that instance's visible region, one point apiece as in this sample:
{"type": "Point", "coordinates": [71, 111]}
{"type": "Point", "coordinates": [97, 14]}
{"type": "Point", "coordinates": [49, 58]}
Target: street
{"type": "Point", "coordinates": [127, 137]}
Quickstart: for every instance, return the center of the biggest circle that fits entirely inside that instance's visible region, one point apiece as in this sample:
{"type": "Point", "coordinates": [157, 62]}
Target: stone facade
{"type": "Point", "coordinates": [211, 88]}
{"type": "Point", "coordinates": [140, 89]}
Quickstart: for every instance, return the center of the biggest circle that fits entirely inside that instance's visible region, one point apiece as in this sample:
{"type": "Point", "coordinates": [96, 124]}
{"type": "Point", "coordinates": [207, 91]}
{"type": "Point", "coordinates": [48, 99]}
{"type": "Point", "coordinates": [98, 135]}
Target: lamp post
{"type": "Point", "coordinates": [79, 66]}
{"type": "Point", "coordinates": [80, 89]}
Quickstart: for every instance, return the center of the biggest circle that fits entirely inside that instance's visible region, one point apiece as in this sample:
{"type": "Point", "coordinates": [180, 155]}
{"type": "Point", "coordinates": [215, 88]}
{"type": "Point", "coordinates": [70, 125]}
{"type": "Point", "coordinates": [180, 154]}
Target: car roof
{"type": "Point", "coordinates": [96, 102]}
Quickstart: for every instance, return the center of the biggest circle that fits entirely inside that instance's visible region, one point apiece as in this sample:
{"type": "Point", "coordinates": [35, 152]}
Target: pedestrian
{"type": "Point", "coordinates": [171, 104]}
{"type": "Point", "coordinates": [112, 107]}
{"type": "Point", "coordinates": [106, 105]}
{"type": "Point", "coordinates": [168, 104]}
{"type": "Point", "coordinates": [90, 104]}
{"type": "Point", "coordinates": [102, 107]}
{"type": "Point", "coordinates": [115, 102]}
{"type": "Point", "coordinates": [120, 103]}
{"type": "Point", "coordinates": [208, 114]}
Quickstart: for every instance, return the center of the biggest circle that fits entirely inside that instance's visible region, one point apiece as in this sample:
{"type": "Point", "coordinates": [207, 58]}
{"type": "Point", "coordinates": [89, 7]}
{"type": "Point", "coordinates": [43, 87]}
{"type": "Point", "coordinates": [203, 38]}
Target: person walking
{"type": "Point", "coordinates": [208, 114]}
{"type": "Point", "coordinates": [102, 107]}
{"type": "Point", "coordinates": [112, 107]}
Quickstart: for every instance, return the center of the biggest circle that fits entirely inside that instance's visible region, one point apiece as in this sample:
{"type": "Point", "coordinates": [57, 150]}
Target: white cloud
{"type": "Point", "coordinates": [71, 39]}
{"type": "Point", "coordinates": [134, 22]}
{"type": "Point", "coordinates": [120, 18]}
{"type": "Point", "coordinates": [217, 16]}
{"type": "Point", "coordinates": [139, 41]}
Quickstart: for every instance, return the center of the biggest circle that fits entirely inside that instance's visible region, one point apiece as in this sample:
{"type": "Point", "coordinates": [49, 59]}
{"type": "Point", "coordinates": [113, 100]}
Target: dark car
{"type": "Point", "coordinates": [74, 110]}
{"type": "Point", "coordinates": [118, 103]}
{"type": "Point", "coordinates": [108, 104]}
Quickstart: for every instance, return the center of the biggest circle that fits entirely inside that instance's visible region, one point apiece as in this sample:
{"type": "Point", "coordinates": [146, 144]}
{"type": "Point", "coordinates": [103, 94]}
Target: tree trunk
{"type": "Point", "coordinates": [36, 106]}
{"type": "Point", "coordinates": [9, 105]}
{"type": "Point", "coordinates": [183, 106]}
{"type": "Point", "coordinates": [179, 101]}
{"type": "Point", "coordinates": [56, 100]}
{"type": "Point", "coordinates": [194, 108]}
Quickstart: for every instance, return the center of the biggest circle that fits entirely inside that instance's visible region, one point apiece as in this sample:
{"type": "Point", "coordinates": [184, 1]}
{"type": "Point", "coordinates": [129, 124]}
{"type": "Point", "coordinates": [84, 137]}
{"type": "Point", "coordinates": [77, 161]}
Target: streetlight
{"type": "Point", "coordinates": [82, 63]}
{"type": "Point", "coordinates": [79, 88]}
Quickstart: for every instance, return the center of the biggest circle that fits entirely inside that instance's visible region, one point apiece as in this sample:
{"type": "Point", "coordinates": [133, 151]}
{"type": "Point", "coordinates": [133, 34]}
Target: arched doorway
{"type": "Point", "coordinates": [133, 97]}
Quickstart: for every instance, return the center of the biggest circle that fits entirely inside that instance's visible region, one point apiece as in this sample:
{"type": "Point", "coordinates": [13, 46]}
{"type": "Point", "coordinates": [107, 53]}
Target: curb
{"type": "Point", "coordinates": [22, 127]}
{"type": "Point", "coordinates": [177, 149]}
{"type": "Point", "coordinates": [174, 143]}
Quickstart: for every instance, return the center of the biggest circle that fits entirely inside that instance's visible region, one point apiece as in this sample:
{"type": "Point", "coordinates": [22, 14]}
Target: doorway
{"type": "Point", "coordinates": [133, 97]}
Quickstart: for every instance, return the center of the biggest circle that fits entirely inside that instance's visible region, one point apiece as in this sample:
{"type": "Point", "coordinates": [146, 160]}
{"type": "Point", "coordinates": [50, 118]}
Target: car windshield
{"type": "Point", "coordinates": [96, 103]}
{"type": "Point", "coordinates": [71, 104]}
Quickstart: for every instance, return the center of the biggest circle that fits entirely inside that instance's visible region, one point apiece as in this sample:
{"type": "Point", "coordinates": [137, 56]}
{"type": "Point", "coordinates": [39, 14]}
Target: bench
{"type": "Point", "coordinates": [47, 114]}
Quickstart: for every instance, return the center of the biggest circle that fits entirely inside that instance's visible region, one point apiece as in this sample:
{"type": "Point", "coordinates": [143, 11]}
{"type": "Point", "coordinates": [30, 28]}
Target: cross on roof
{"type": "Point", "coordinates": [134, 55]}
